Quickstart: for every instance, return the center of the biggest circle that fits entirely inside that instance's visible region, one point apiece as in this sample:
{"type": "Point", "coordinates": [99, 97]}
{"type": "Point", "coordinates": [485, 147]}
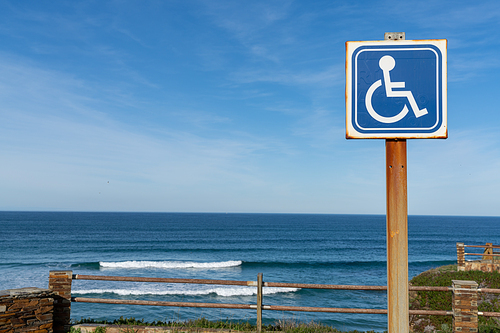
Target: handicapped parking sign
{"type": "Point", "coordinates": [396, 89]}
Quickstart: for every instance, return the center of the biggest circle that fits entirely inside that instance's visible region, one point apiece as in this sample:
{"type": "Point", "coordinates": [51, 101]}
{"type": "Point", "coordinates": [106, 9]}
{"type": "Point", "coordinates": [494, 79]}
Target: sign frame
{"type": "Point", "coordinates": [391, 127]}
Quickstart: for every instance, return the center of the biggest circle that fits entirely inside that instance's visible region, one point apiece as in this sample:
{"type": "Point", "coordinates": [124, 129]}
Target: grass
{"type": "Point", "coordinates": [201, 323]}
{"type": "Point", "coordinates": [291, 326]}
{"type": "Point", "coordinates": [285, 326]}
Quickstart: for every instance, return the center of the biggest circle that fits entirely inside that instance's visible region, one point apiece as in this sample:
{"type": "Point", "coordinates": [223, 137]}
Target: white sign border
{"type": "Point", "coordinates": [439, 133]}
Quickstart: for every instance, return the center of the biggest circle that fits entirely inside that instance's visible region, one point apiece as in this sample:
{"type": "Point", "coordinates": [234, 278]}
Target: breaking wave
{"type": "Point", "coordinates": [170, 264]}
{"type": "Point", "coordinates": [219, 291]}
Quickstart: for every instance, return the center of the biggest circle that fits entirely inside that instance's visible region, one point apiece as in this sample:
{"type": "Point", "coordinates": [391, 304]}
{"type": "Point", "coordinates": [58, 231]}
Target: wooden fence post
{"type": "Point", "coordinates": [60, 283]}
{"type": "Point", "coordinates": [259, 302]}
{"type": "Point", "coordinates": [488, 249]}
{"type": "Point", "coordinates": [464, 306]}
{"type": "Point", "coordinates": [460, 257]}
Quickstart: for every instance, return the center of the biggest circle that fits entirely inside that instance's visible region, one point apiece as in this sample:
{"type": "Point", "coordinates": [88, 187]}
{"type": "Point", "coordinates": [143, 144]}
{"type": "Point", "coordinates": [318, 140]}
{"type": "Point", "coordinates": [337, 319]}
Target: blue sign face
{"type": "Point", "coordinates": [396, 90]}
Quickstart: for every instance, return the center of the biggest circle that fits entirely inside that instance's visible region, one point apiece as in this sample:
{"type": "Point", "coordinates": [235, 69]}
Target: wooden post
{"type": "Point", "coordinates": [397, 237]}
{"type": "Point", "coordinates": [397, 229]}
{"type": "Point", "coordinates": [464, 306]}
{"type": "Point", "coordinates": [488, 249]}
{"type": "Point", "coordinates": [460, 257]}
{"type": "Point", "coordinates": [259, 302]}
{"type": "Point", "coordinates": [60, 283]}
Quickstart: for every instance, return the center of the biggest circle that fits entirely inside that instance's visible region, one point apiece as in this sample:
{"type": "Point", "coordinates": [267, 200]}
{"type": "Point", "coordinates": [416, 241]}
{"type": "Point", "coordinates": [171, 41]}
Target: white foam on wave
{"type": "Point", "coordinates": [170, 264]}
{"type": "Point", "coordinates": [219, 291]}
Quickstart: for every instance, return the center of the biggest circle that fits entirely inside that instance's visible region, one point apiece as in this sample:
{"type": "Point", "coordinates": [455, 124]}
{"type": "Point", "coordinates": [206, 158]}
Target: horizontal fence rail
{"type": "Point", "coordinates": [162, 280]}
{"type": "Point", "coordinates": [489, 260]}
{"type": "Point", "coordinates": [484, 246]}
{"type": "Point", "coordinates": [58, 284]}
{"type": "Point", "coordinates": [487, 246]}
{"type": "Point", "coordinates": [483, 254]}
{"type": "Point", "coordinates": [249, 283]}
{"type": "Point", "coordinates": [160, 303]}
{"type": "Point", "coordinates": [265, 284]}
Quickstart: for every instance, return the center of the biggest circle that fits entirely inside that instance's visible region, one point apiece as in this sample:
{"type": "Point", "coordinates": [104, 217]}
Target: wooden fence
{"type": "Point", "coordinates": [488, 260]}
{"type": "Point", "coordinates": [464, 303]}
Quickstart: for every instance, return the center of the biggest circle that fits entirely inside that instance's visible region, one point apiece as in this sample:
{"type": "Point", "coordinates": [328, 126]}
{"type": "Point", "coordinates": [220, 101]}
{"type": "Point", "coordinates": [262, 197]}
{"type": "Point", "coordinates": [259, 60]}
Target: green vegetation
{"type": "Point", "coordinates": [285, 326]}
{"type": "Point", "coordinates": [201, 322]}
{"type": "Point", "coordinates": [290, 326]}
{"type": "Point", "coordinates": [438, 300]}
{"type": "Point", "coordinates": [98, 329]}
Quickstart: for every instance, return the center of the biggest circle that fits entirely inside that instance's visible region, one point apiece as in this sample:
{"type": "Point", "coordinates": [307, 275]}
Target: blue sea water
{"type": "Point", "coordinates": [297, 248]}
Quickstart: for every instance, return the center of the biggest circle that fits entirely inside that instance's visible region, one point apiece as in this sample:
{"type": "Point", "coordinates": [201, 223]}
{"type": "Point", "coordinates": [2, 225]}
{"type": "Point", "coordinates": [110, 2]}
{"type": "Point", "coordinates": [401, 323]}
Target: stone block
{"type": "Point", "coordinates": [31, 322]}
{"type": "Point", "coordinates": [67, 274]}
{"type": "Point", "coordinates": [469, 324]}
{"type": "Point", "coordinates": [15, 321]}
{"type": "Point", "coordinates": [7, 330]}
{"type": "Point", "coordinates": [40, 331]}
{"type": "Point", "coordinates": [17, 305]}
{"type": "Point", "coordinates": [46, 326]}
{"type": "Point", "coordinates": [44, 317]}
{"type": "Point", "coordinates": [44, 309]}
{"type": "Point", "coordinates": [45, 301]}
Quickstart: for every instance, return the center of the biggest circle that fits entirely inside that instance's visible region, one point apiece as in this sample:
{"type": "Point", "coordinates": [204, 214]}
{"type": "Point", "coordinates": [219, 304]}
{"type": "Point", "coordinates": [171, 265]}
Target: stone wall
{"type": "Point", "coordinates": [482, 266]}
{"type": "Point", "coordinates": [26, 310]}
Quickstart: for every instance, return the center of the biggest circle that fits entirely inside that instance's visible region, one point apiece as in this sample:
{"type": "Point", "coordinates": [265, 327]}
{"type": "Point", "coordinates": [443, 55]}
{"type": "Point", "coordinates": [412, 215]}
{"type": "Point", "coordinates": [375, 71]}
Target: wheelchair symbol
{"type": "Point", "coordinates": [387, 63]}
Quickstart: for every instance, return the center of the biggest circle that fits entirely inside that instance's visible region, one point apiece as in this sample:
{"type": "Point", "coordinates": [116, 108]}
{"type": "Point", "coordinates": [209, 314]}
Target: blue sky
{"type": "Point", "coordinates": [231, 106]}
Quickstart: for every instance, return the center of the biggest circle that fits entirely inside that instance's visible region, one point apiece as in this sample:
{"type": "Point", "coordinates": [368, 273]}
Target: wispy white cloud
{"type": "Point", "coordinates": [253, 25]}
{"type": "Point", "coordinates": [325, 78]}
{"type": "Point", "coordinates": [449, 14]}
{"type": "Point", "coordinates": [62, 147]}
{"type": "Point", "coordinates": [205, 105]}
{"type": "Point", "coordinates": [244, 20]}
{"type": "Point", "coordinates": [471, 66]}
{"type": "Point", "coordinates": [453, 175]}
{"type": "Point", "coordinates": [62, 158]}
{"type": "Point", "coordinates": [318, 127]}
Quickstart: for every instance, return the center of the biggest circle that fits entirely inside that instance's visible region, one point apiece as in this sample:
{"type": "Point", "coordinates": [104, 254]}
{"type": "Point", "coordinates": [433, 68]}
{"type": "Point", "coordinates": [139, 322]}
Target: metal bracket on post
{"type": "Point", "coordinates": [394, 36]}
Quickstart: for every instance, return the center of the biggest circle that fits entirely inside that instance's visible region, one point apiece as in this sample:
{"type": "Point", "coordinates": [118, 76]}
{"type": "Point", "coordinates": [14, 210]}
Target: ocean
{"type": "Point", "coordinates": [296, 248]}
